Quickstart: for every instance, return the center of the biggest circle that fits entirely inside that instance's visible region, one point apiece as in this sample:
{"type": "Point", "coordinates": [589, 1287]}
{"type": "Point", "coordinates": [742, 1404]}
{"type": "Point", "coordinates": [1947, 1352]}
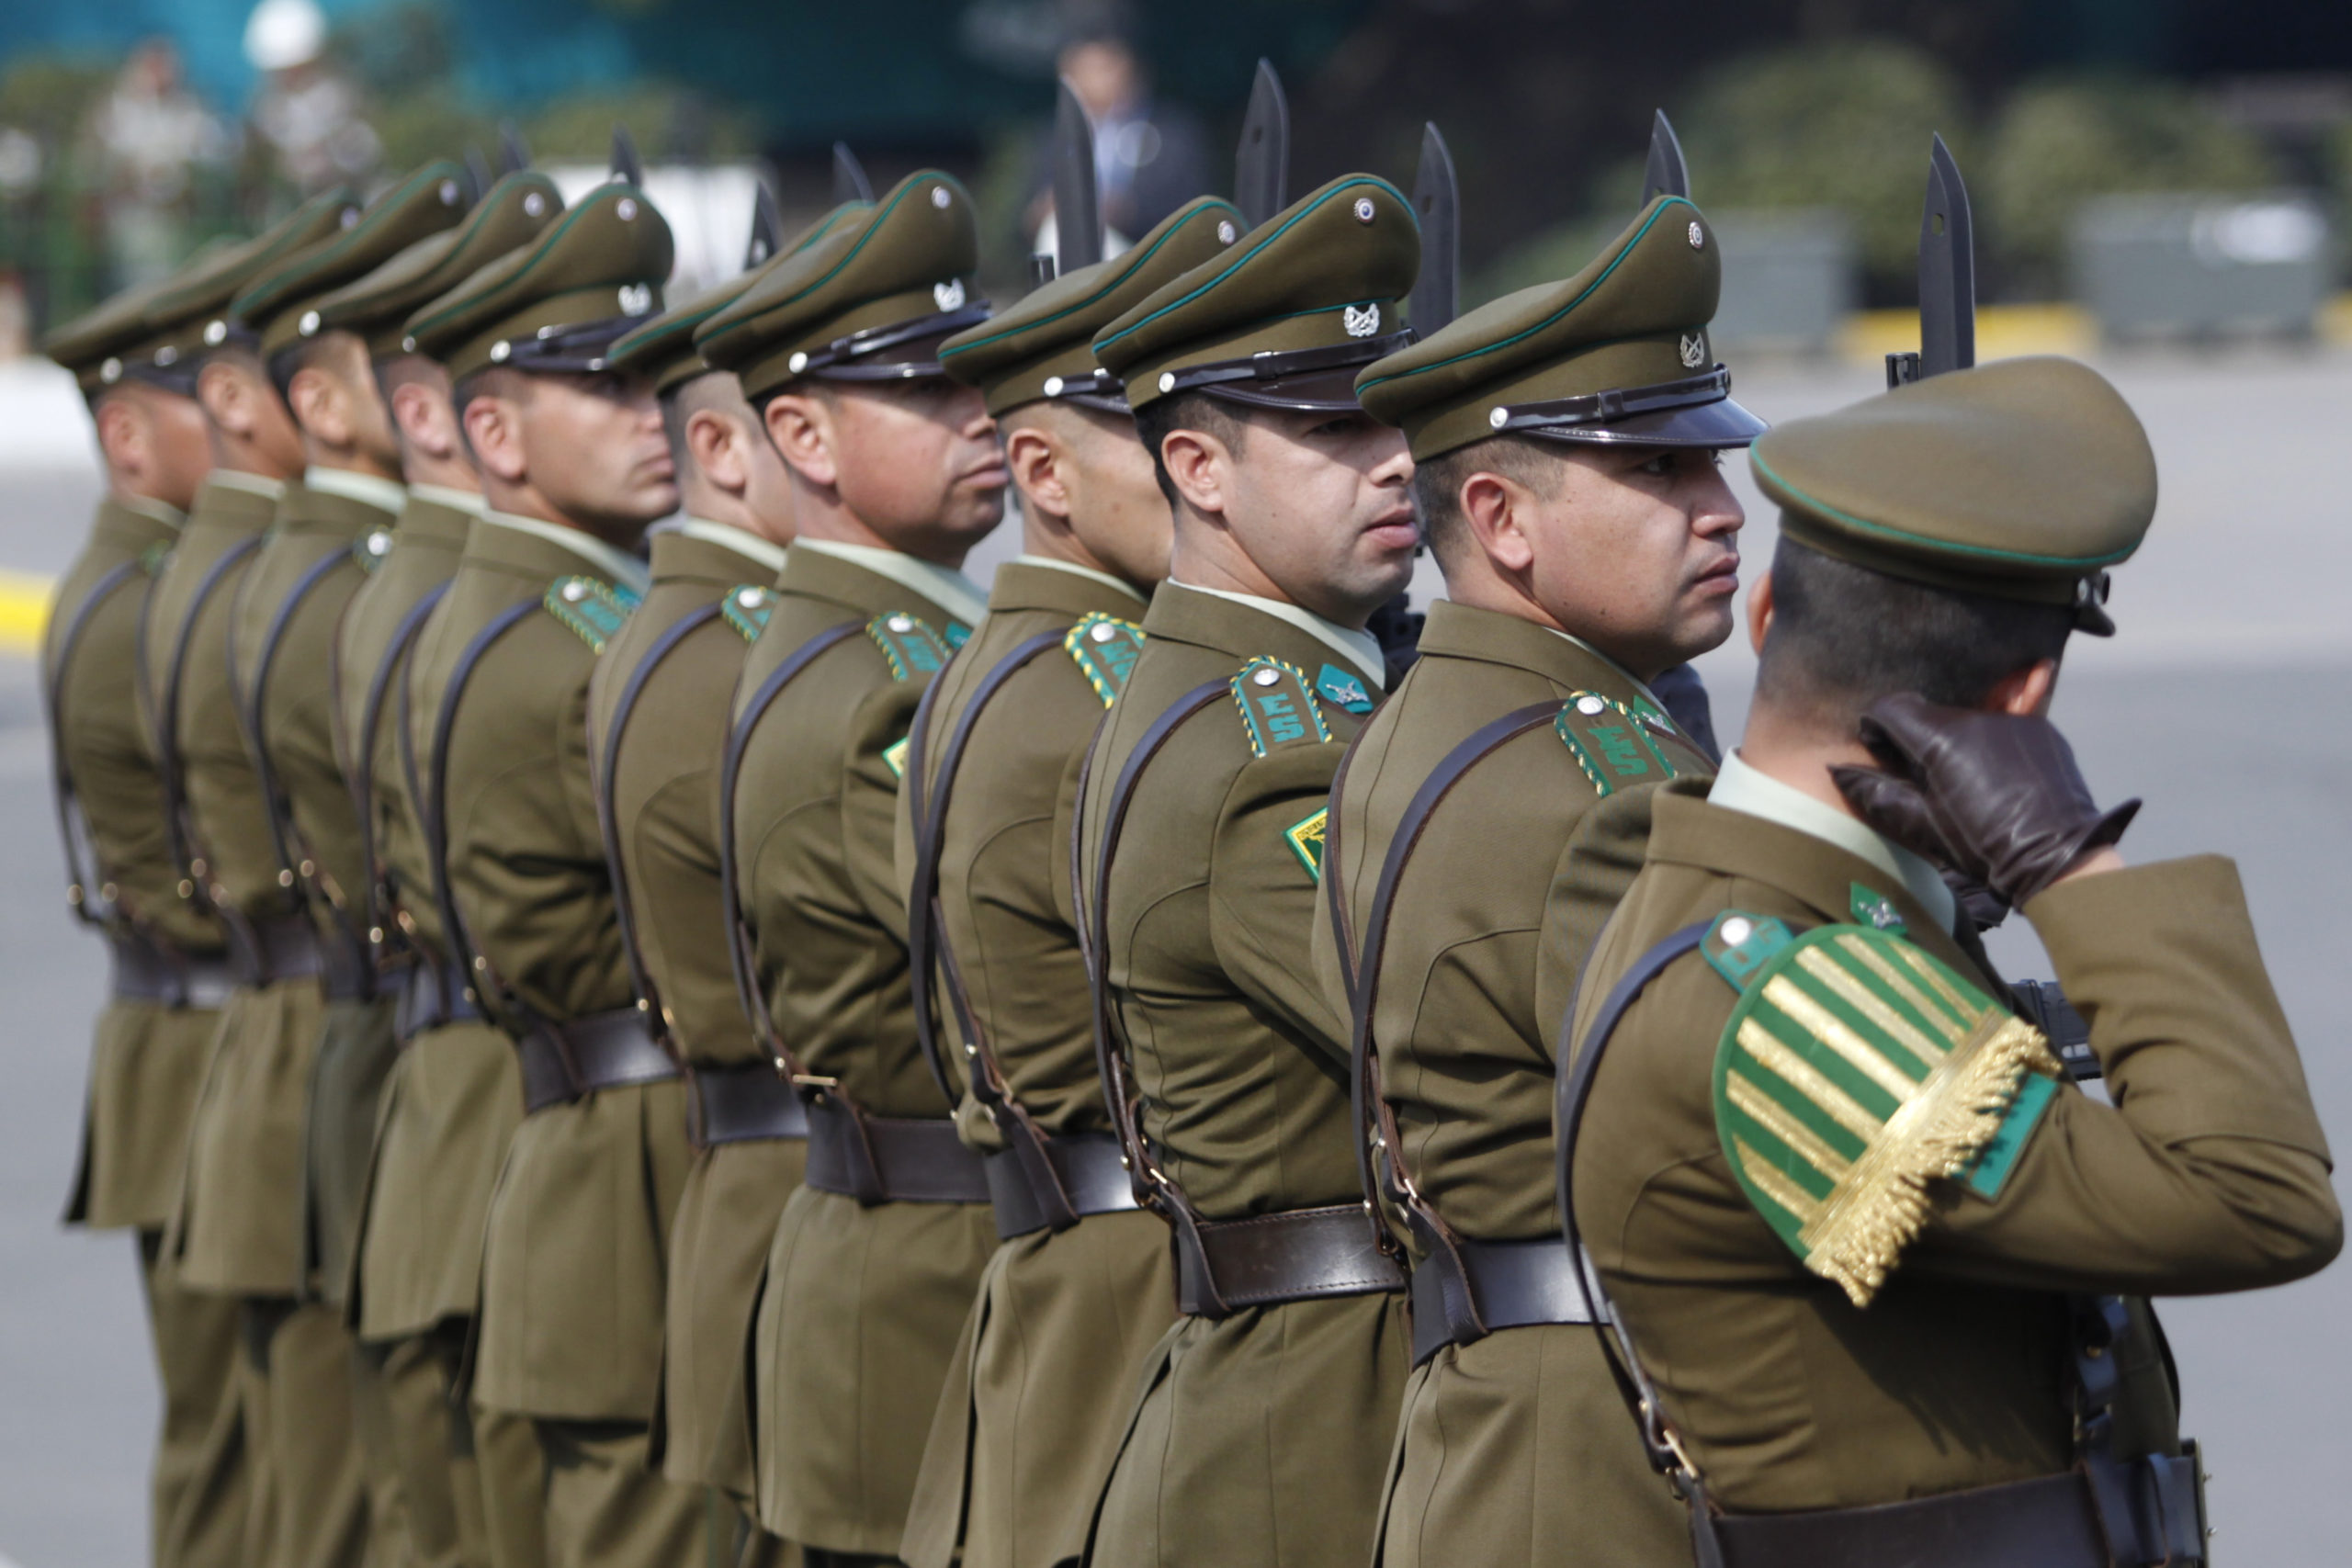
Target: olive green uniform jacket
{"type": "Point", "coordinates": [453, 1095]}
{"type": "Point", "coordinates": [579, 1225]}
{"type": "Point", "coordinates": [2207, 1173]}
{"type": "Point", "coordinates": [664, 800]}
{"type": "Point", "coordinates": [1260, 1437]}
{"type": "Point", "coordinates": [1517, 1447]}
{"type": "Point", "coordinates": [238, 1228]}
{"type": "Point", "coordinates": [147, 1060]}
{"type": "Point", "coordinates": [862, 1305]}
{"type": "Point", "coordinates": [320, 548]}
{"type": "Point", "coordinates": [1042, 1381]}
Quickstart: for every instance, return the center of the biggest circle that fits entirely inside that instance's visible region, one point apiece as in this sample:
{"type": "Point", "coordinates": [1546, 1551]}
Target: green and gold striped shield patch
{"type": "Point", "coordinates": [1856, 1070]}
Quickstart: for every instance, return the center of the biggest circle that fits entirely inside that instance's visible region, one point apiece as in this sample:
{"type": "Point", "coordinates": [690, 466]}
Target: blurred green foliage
{"type": "Point", "coordinates": [49, 96]}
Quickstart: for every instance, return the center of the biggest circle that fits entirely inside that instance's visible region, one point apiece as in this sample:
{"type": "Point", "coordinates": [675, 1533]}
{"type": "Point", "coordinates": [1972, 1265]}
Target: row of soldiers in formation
{"type": "Point", "coordinates": [758, 1047]}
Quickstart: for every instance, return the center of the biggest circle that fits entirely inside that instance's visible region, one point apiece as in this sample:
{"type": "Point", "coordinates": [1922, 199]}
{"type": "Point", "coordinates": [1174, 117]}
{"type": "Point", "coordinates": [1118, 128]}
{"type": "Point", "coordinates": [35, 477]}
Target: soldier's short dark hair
{"type": "Point", "coordinates": [1228, 423]}
{"type": "Point", "coordinates": [303, 354]}
{"type": "Point", "coordinates": [680, 403]}
{"type": "Point", "coordinates": [1843, 636]}
{"type": "Point", "coordinates": [1437, 483]}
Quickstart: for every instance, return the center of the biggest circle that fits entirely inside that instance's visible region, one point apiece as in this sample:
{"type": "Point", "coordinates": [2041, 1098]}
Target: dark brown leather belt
{"type": "Point", "coordinates": [426, 994]}
{"type": "Point", "coordinates": [147, 971]}
{"type": "Point", "coordinates": [1087, 1165]}
{"type": "Point", "coordinates": [890, 1159]}
{"type": "Point", "coordinates": [1298, 1254]}
{"type": "Point", "coordinates": [744, 1103]}
{"type": "Point", "coordinates": [2045, 1523]}
{"type": "Point", "coordinates": [347, 969]}
{"type": "Point", "coordinates": [262, 952]}
{"type": "Point", "coordinates": [1511, 1284]}
{"type": "Point", "coordinates": [570, 1061]}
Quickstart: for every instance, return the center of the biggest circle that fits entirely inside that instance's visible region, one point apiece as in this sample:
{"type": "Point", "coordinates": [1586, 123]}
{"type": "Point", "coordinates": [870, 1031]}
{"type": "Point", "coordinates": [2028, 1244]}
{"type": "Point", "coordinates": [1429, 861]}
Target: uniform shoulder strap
{"type": "Point", "coordinates": [916, 652]}
{"type": "Point", "coordinates": [590, 608]}
{"type": "Point", "coordinates": [747, 607]}
{"type": "Point", "coordinates": [1613, 743]}
{"type": "Point", "coordinates": [1278, 705]}
{"type": "Point", "coordinates": [1104, 648]}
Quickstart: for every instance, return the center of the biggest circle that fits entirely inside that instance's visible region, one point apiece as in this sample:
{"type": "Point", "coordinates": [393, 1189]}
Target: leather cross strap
{"type": "Point", "coordinates": [1448, 1284]}
{"type": "Point", "coordinates": [179, 828]}
{"type": "Point", "coordinates": [1032, 1179]}
{"type": "Point", "coordinates": [608, 826]}
{"type": "Point", "coordinates": [571, 1060]}
{"type": "Point", "coordinates": [1222, 1266]}
{"type": "Point", "coordinates": [448, 998]}
{"type": "Point", "coordinates": [431, 808]}
{"type": "Point", "coordinates": [359, 766]}
{"type": "Point", "coordinates": [72, 823]}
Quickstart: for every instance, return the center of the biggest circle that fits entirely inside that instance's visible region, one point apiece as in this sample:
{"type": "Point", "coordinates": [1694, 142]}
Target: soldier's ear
{"type": "Point", "coordinates": [1494, 509]}
{"type": "Point", "coordinates": [1760, 612]}
{"type": "Point", "coordinates": [1198, 465]}
{"type": "Point", "coordinates": [1037, 463]}
{"type": "Point", "coordinates": [804, 433]}
{"type": "Point", "coordinates": [495, 438]}
{"type": "Point", "coordinates": [123, 434]}
{"type": "Point", "coordinates": [2026, 692]}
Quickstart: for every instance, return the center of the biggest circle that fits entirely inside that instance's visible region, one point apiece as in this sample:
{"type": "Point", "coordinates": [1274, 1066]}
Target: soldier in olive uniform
{"type": "Point", "coordinates": [1868, 1245]}
{"type": "Point", "coordinates": [330, 531]}
{"type": "Point", "coordinates": [1566, 439]}
{"type": "Point", "coordinates": [1266, 1411]}
{"type": "Point", "coordinates": [1079, 1287]}
{"type": "Point", "coordinates": [239, 1225]}
{"type": "Point", "coordinates": [453, 1095]}
{"type": "Point", "coordinates": [895, 474]}
{"type": "Point", "coordinates": [170, 965]}
{"type": "Point", "coordinates": [658, 716]}
{"type": "Point", "coordinates": [573, 467]}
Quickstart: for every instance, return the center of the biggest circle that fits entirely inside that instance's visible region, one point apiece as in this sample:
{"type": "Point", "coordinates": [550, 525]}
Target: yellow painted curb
{"type": "Point", "coordinates": [2003, 331]}
{"type": "Point", "coordinates": [24, 611]}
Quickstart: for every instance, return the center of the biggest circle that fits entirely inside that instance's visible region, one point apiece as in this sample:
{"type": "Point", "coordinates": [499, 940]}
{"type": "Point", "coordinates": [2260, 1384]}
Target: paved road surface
{"type": "Point", "coordinates": [2222, 704]}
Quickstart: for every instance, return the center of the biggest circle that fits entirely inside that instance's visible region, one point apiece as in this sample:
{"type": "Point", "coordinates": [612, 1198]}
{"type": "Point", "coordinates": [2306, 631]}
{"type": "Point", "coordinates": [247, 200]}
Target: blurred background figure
{"type": "Point", "coordinates": [148, 138]}
{"type": "Point", "coordinates": [307, 111]}
{"type": "Point", "coordinates": [1150, 158]}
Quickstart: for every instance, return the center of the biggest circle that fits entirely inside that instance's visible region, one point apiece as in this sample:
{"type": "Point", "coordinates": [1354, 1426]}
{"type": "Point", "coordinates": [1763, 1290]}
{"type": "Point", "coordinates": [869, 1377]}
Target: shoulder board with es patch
{"type": "Point", "coordinates": [1856, 1071]}
{"type": "Point", "coordinates": [1278, 705]}
{"type": "Point", "coordinates": [370, 548]}
{"type": "Point", "coordinates": [591, 607]}
{"type": "Point", "coordinates": [747, 608]}
{"type": "Point", "coordinates": [915, 652]}
{"type": "Point", "coordinates": [1611, 743]}
{"type": "Point", "coordinates": [1104, 648]}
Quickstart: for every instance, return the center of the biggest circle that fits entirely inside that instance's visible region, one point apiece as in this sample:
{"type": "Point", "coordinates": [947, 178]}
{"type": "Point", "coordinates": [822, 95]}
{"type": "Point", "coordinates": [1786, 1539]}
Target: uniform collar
{"type": "Point", "coordinates": [454, 500]}
{"type": "Point", "coordinates": [1625, 675]}
{"type": "Point", "coordinates": [1739, 787]}
{"type": "Point", "coordinates": [948, 589]}
{"type": "Point", "coordinates": [252, 484]}
{"type": "Point", "coordinates": [725, 535]}
{"type": "Point", "coordinates": [616, 567]}
{"type": "Point", "coordinates": [385, 496]}
{"type": "Point", "coordinates": [154, 511]}
{"type": "Point", "coordinates": [1361, 649]}
{"type": "Point", "coordinates": [1047, 563]}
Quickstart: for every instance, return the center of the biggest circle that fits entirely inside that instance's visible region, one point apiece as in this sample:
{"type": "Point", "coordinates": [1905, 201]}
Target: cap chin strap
{"type": "Point", "coordinates": [854, 358]}
{"type": "Point", "coordinates": [1281, 365]}
{"type": "Point", "coordinates": [2090, 605]}
{"type": "Point", "coordinates": [577, 349]}
{"type": "Point", "coordinates": [1597, 409]}
{"type": "Point", "coordinates": [1098, 388]}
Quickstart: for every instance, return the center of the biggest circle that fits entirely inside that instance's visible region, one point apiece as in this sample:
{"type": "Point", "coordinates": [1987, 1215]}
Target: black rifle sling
{"type": "Point", "coordinates": [608, 825]}
{"type": "Point", "coordinates": [927, 943]}
{"type": "Point", "coordinates": [72, 823]}
{"type": "Point", "coordinates": [187, 855]}
{"type": "Point", "coordinates": [1153, 1188]}
{"type": "Point", "coordinates": [1375, 1123]}
{"type": "Point", "coordinates": [362, 772]}
{"type": "Point", "coordinates": [741, 949]}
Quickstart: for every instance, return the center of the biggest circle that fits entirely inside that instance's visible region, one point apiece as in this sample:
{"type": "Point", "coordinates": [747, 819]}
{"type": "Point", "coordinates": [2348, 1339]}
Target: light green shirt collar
{"type": "Point", "coordinates": [1104, 578]}
{"type": "Point", "coordinates": [616, 567]}
{"type": "Point", "coordinates": [155, 511]}
{"type": "Point", "coordinates": [1638, 684]}
{"type": "Point", "coordinates": [252, 484]}
{"type": "Point", "coordinates": [385, 495]}
{"type": "Point", "coordinates": [1739, 787]}
{"type": "Point", "coordinates": [727, 536]}
{"type": "Point", "coordinates": [454, 500]}
{"type": "Point", "coordinates": [1361, 649]}
{"type": "Point", "coordinates": [950, 589]}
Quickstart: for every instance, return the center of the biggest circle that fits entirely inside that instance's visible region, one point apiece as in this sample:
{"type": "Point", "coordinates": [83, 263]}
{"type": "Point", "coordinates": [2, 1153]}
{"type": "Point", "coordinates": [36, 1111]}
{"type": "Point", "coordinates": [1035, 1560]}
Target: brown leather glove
{"type": "Point", "coordinates": [1993, 796]}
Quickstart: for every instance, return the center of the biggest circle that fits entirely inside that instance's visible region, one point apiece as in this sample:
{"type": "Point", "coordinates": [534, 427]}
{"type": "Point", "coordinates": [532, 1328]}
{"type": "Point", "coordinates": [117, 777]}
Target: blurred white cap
{"type": "Point", "coordinates": [281, 34]}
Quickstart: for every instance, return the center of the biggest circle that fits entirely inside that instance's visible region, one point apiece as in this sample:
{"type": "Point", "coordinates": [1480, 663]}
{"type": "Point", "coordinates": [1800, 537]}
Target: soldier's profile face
{"type": "Point", "coordinates": [1115, 507]}
{"type": "Point", "coordinates": [918, 462]}
{"type": "Point", "coordinates": [594, 447]}
{"type": "Point", "coordinates": [1636, 550]}
{"type": "Point", "coordinates": [1321, 502]}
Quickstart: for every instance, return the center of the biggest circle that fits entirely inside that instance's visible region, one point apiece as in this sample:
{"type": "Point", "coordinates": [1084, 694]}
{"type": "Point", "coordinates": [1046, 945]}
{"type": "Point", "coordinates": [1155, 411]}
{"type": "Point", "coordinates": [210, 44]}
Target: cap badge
{"type": "Point", "coordinates": [1363, 209]}
{"type": "Point", "coordinates": [625, 209]}
{"type": "Point", "coordinates": [1224, 232]}
{"type": "Point", "coordinates": [1694, 350]}
{"type": "Point", "coordinates": [534, 203]}
{"type": "Point", "coordinates": [1698, 237]}
{"type": "Point", "coordinates": [950, 294]}
{"type": "Point", "coordinates": [1363, 322]}
{"type": "Point", "coordinates": [636, 299]}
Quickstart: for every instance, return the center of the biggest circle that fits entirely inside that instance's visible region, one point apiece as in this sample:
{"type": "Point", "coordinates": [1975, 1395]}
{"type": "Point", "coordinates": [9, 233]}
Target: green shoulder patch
{"type": "Point", "coordinates": [1611, 743]}
{"type": "Point", "coordinates": [1873, 909]}
{"type": "Point", "coordinates": [1857, 1070]}
{"type": "Point", "coordinates": [370, 548]}
{"type": "Point", "coordinates": [916, 652]}
{"type": "Point", "coordinates": [1305, 837]}
{"type": "Point", "coordinates": [1739, 943]}
{"type": "Point", "coordinates": [894, 756]}
{"type": "Point", "coordinates": [957, 634]}
{"type": "Point", "coordinates": [1104, 648]}
{"type": "Point", "coordinates": [593, 608]}
{"type": "Point", "coordinates": [747, 608]}
{"type": "Point", "coordinates": [1278, 705]}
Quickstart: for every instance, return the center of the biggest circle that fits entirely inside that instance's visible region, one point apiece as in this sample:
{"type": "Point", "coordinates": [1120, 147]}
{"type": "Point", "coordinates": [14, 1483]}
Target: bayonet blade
{"type": "Point", "coordinates": [1261, 165]}
{"type": "Point", "coordinates": [1078, 200]}
{"type": "Point", "coordinates": [767, 228]}
{"type": "Point", "coordinates": [514, 155]}
{"type": "Point", "coordinates": [850, 183]}
{"type": "Point", "coordinates": [1667, 174]}
{"type": "Point", "coordinates": [477, 175]}
{"type": "Point", "coordinates": [1947, 270]}
{"type": "Point", "coordinates": [628, 169]}
{"type": "Point", "coordinates": [1436, 296]}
